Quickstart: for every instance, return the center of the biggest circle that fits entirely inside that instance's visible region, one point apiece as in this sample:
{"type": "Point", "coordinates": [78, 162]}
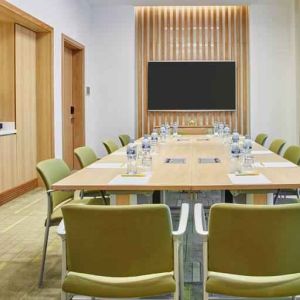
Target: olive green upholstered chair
{"type": "Point", "coordinates": [87, 156]}
{"type": "Point", "coordinates": [51, 171]}
{"type": "Point", "coordinates": [292, 154]}
{"type": "Point", "coordinates": [110, 146]}
{"type": "Point", "coordinates": [124, 139]}
{"type": "Point", "coordinates": [277, 145]}
{"type": "Point", "coordinates": [251, 250]}
{"type": "Point", "coordinates": [261, 138]}
{"type": "Point", "coordinates": [122, 251]}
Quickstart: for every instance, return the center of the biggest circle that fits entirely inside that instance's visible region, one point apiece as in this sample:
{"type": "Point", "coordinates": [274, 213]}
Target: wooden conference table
{"type": "Point", "coordinates": [191, 176]}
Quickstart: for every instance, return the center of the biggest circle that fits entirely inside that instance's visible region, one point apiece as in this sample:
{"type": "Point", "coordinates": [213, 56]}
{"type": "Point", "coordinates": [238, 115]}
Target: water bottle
{"type": "Point", "coordinates": [221, 129]}
{"type": "Point", "coordinates": [154, 141]}
{"type": "Point", "coordinates": [247, 144]}
{"type": "Point", "coordinates": [175, 129]}
{"type": "Point", "coordinates": [146, 156]}
{"type": "Point", "coordinates": [216, 128]}
{"type": "Point", "coordinates": [163, 136]}
{"type": "Point", "coordinates": [167, 126]}
{"type": "Point", "coordinates": [131, 158]}
{"type": "Point", "coordinates": [235, 164]}
{"type": "Point", "coordinates": [235, 137]}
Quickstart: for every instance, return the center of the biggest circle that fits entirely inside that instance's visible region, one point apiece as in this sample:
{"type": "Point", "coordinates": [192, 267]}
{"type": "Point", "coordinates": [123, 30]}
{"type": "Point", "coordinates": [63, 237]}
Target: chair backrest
{"type": "Point", "coordinates": [124, 139]}
{"type": "Point", "coordinates": [261, 138]}
{"type": "Point", "coordinates": [110, 146]}
{"type": "Point", "coordinates": [51, 171]}
{"type": "Point", "coordinates": [118, 240]}
{"type": "Point", "coordinates": [254, 240]}
{"type": "Point", "coordinates": [277, 145]}
{"type": "Point", "coordinates": [292, 154]}
{"type": "Point", "coordinates": [85, 156]}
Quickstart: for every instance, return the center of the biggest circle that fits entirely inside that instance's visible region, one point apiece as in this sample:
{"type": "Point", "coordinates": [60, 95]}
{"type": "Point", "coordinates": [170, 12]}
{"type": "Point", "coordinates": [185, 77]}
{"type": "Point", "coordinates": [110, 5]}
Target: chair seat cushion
{"type": "Point", "coordinates": [57, 216]}
{"type": "Point", "coordinates": [253, 286]}
{"type": "Point", "coordinates": [119, 287]}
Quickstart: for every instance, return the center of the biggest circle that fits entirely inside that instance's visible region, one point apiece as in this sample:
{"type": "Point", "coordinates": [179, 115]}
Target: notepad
{"type": "Point", "coordinates": [208, 160]}
{"type": "Point", "coordinates": [130, 180]}
{"type": "Point", "coordinates": [244, 180]}
{"type": "Point", "coordinates": [176, 160]}
{"type": "Point", "coordinates": [257, 152]}
{"type": "Point", "coordinates": [107, 166]}
{"type": "Point", "coordinates": [281, 164]}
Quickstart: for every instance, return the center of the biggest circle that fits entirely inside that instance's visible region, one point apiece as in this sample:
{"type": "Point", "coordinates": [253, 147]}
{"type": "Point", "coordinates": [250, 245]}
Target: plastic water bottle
{"type": "Point", "coordinates": [167, 126]}
{"type": "Point", "coordinates": [216, 128]}
{"type": "Point", "coordinates": [235, 164]}
{"type": "Point", "coordinates": [131, 158]}
{"type": "Point", "coordinates": [146, 156]}
{"type": "Point", "coordinates": [221, 129]}
{"type": "Point", "coordinates": [247, 144]}
{"type": "Point", "coordinates": [175, 129]}
{"type": "Point", "coordinates": [154, 141]}
{"type": "Point", "coordinates": [235, 137]}
{"type": "Point", "coordinates": [163, 135]}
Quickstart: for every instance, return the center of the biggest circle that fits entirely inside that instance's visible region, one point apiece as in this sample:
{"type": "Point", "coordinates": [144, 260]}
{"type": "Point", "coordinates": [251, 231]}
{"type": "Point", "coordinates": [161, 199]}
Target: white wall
{"type": "Point", "coordinates": [73, 19]}
{"type": "Point", "coordinates": [113, 82]}
{"type": "Point", "coordinates": [272, 70]}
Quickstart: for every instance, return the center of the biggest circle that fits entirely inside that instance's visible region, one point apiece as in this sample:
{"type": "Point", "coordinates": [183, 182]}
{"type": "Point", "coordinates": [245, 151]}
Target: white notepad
{"type": "Point", "coordinates": [256, 152]}
{"type": "Point", "coordinates": [131, 180]}
{"type": "Point", "coordinates": [107, 166]}
{"type": "Point", "coordinates": [281, 164]}
{"type": "Point", "coordinates": [252, 179]}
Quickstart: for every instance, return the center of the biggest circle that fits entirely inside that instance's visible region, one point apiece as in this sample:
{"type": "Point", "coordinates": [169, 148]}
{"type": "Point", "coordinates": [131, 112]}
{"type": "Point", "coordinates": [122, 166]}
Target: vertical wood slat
{"type": "Point", "coordinates": [192, 33]}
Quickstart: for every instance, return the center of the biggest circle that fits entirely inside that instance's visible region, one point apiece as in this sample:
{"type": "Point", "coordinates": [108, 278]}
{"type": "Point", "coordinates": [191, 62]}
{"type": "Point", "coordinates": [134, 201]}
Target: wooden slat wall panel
{"type": "Point", "coordinates": [192, 33]}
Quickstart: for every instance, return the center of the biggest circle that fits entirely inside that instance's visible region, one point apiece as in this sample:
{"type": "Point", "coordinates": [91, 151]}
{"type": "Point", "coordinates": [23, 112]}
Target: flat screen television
{"type": "Point", "coordinates": [191, 85]}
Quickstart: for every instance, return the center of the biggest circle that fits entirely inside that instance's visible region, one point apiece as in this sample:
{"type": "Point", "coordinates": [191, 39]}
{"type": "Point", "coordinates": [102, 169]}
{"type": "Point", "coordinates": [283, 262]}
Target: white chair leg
{"type": "Point", "coordinates": [44, 254]}
{"type": "Point", "coordinates": [205, 295]}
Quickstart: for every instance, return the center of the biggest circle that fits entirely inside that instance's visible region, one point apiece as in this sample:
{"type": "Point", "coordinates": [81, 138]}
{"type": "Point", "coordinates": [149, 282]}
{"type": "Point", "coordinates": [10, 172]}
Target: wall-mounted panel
{"type": "Point", "coordinates": [192, 33]}
{"type": "Point", "coordinates": [26, 112]}
{"type": "Point", "coordinates": [7, 72]}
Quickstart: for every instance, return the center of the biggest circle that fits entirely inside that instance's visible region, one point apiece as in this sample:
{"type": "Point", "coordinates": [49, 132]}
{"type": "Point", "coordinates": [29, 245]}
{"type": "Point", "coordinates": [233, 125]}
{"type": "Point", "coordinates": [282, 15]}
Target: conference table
{"type": "Point", "coordinates": [185, 163]}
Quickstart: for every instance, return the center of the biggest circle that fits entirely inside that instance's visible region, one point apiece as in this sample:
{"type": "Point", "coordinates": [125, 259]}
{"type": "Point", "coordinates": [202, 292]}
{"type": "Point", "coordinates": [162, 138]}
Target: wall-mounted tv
{"type": "Point", "coordinates": [191, 85]}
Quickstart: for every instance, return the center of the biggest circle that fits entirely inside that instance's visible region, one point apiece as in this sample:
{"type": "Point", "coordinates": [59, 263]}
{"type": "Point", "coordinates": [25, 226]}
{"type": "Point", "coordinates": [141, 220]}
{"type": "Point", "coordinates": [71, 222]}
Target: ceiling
{"type": "Point", "coordinates": [173, 2]}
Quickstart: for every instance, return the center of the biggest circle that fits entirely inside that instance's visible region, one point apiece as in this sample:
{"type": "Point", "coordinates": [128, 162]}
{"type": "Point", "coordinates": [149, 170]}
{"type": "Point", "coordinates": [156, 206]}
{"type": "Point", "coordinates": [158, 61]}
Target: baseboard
{"type": "Point", "coordinates": [18, 191]}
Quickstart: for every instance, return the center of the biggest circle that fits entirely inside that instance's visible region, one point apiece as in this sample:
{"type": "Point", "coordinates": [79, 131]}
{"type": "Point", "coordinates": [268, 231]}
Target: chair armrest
{"type": "Point", "coordinates": [61, 229]}
{"type": "Point", "coordinates": [184, 215]}
{"type": "Point", "coordinates": [198, 215]}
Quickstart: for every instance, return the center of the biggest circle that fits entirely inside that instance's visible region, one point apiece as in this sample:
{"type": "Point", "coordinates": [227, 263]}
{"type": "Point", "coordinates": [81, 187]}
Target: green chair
{"type": "Point", "coordinates": [110, 146]}
{"type": "Point", "coordinates": [87, 156]}
{"type": "Point", "coordinates": [277, 145]}
{"type": "Point", "coordinates": [122, 251]}
{"type": "Point", "coordinates": [124, 139]}
{"type": "Point", "coordinates": [251, 250]}
{"type": "Point", "coordinates": [51, 171]}
{"type": "Point", "coordinates": [292, 154]}
{"type": "Point", "coordinates": [261, 138]}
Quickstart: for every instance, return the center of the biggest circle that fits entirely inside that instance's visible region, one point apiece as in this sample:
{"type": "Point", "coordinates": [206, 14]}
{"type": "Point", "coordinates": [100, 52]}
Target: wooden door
{"type": "Point", "coordinates": [73, 99]}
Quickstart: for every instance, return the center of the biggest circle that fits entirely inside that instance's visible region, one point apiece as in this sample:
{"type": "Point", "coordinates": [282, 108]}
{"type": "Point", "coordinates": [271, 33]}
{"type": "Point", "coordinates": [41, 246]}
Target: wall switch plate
{"type": "Point", "coordinates": [88, 90]}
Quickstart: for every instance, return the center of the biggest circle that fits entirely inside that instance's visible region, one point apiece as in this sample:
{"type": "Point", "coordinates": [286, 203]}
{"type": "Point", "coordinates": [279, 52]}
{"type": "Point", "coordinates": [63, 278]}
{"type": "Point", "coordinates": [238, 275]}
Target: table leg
{"type": "Point", "coordinates": [259, 198]}
{"type": "Point", "coordinates": [123, 199]}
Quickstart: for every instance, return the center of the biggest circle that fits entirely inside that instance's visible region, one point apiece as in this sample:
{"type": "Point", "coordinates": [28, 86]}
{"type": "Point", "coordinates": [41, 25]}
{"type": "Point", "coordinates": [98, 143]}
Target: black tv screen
{"type": "Point", "coordinates": [191, 85]}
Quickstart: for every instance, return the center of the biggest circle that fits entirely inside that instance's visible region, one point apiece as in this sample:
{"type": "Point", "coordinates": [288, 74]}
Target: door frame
{"type": "Point", "coordinates": [77, 90]}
